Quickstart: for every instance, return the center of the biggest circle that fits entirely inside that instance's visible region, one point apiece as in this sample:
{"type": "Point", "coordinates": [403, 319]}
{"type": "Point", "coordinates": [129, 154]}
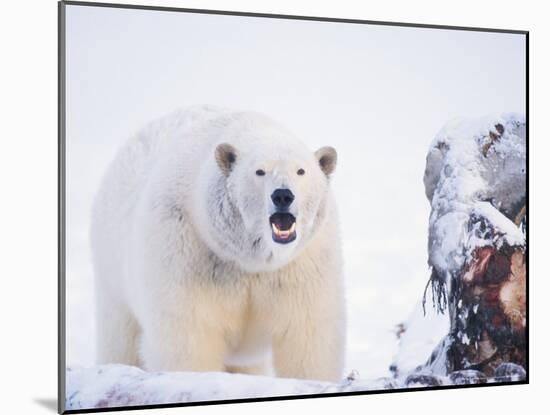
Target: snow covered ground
{"type": "Point", "coordinates": [119, 385]}
{"type": "Point", "coordinates": [378, 94]}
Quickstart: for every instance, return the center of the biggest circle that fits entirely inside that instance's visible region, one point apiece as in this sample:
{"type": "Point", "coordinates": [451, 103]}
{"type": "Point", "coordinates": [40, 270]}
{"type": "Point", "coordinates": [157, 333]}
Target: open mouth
{"type": "Point", "coordinates": [283, 227]}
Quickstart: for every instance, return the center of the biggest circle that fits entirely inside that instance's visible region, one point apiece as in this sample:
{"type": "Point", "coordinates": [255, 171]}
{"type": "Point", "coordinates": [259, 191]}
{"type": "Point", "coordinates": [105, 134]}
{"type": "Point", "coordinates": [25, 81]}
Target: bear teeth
{"type": "Point", "coordinates": [283, 234]}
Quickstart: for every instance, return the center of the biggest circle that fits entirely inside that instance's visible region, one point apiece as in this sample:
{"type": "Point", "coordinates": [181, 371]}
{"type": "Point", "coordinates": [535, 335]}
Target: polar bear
{"type": "Point", "coordinates": [216, 247]}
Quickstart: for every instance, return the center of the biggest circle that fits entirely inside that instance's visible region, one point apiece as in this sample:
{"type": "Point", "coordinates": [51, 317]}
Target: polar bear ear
{"type": "Point", "coordinates": [226, 155]}
{"type": "Point", "coordinates": [327, 157]}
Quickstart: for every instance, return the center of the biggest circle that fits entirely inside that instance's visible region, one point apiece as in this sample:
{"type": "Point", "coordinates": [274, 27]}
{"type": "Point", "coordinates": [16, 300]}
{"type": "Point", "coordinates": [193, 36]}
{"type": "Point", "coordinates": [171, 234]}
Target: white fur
{"type": "Point", "coordinates": [188, 277]}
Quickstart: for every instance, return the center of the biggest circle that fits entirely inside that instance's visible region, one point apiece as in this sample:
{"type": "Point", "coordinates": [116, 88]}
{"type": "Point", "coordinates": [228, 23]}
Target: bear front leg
{"type": "Point", "coordinates": [117, 331]}
{"type": "Point", "coordinates": [181, 343]}
{"type": "Point", "coordinates": [312, 345]}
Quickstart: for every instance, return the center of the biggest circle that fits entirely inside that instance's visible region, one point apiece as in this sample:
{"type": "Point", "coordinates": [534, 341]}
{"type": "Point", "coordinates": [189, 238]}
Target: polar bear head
{"type": "Point", "coordinates": [268, 194]}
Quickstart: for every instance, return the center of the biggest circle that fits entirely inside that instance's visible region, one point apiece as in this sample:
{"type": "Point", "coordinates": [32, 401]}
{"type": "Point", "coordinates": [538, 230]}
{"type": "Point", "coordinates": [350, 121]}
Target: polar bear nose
{"type": "Point", "coordinates": [282, 198]}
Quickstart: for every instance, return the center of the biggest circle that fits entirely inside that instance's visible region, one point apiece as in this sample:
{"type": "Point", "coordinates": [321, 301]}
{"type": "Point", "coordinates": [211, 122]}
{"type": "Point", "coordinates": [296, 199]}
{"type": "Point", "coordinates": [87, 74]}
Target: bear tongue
{"type": "Point", "coordinates": [283, 222]}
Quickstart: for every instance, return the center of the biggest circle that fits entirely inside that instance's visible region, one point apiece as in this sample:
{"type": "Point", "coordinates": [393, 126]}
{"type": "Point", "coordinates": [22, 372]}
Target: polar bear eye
{"type": "Point", "coordinates": [301, 172]}
{"type": "Point", "coordinates": [260, 172]}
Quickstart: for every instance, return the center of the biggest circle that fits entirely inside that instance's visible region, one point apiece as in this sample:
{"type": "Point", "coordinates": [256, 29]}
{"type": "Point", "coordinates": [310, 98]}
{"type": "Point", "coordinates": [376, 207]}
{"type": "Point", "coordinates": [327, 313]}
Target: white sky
{"type": "Point", "coordinates": [378, 94]}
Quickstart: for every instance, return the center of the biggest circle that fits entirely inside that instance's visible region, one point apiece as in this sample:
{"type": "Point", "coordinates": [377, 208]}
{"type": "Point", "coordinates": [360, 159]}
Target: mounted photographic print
{"type": "Point", "coordinates": [258, 207]}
